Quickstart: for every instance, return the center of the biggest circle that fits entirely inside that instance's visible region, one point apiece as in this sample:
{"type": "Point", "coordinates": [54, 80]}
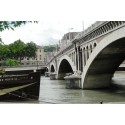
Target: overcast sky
{"type": "Point", "coordinates": [43, 32]}
{"type": "Point", "coordinates": [55, 18]}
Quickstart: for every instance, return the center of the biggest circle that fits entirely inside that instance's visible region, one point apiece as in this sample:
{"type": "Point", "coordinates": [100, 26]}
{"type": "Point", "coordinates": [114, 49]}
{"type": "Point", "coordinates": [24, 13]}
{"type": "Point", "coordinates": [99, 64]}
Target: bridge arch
{"type": "Point", "coordinates": [47, 69]}
{"type": "Point", "coordinates": [108, 54]}
{"type": "Point", "coordinates": [52, 67]}
{"type": "Point", "coordinates": [65, 66]}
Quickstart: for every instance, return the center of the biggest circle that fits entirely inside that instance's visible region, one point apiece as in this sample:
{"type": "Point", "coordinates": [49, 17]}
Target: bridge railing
{"type": "Point", "coordinates": [89, 29]}
{"type": "Point", "coordinates": [94, 31]}
{"type": "Point", "coordinates": [98, 29]}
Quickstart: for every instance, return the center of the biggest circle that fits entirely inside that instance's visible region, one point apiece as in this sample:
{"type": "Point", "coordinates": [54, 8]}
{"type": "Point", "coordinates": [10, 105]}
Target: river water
{"type": "Point", "coordinates": [54, 91]}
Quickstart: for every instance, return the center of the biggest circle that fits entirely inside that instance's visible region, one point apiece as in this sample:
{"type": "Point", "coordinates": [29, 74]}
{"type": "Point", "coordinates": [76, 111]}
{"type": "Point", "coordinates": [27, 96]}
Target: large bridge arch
{"type": "Point", "coordinates": [104, 60]}
{"type": "Point", "coordinates": [65, 65]}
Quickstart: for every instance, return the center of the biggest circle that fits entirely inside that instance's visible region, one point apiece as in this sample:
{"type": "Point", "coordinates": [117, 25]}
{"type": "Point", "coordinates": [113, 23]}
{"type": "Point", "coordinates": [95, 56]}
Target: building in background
{"type": "Point", "coordinates": [37, 61]}
{"type": "Point", "coordinates": [48, 57]}
{"type": "Point", "coordinates": [67, 38]}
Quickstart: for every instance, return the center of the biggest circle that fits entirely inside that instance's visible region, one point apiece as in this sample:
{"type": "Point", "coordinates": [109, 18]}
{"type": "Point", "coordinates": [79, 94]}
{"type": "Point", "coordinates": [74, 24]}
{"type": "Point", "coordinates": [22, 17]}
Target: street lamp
{"type": "Point", "coordinates": [69, 33]}
{"type": "Point", "coordinates": [83, 25]}
{"type": "Point", "coordinates": [37, 62]}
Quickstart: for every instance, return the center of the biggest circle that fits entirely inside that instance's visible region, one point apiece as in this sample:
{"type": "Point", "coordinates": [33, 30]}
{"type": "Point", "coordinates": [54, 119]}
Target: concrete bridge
{"type": "Point", "coordinates": [94, 55]}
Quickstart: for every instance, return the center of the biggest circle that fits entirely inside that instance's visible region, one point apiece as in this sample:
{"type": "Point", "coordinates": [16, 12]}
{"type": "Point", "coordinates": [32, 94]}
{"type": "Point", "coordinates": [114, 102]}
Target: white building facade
{"type": "Point", "coordinates": [66, 39]}
{"type": "Point", "coordinates": [37, 61]}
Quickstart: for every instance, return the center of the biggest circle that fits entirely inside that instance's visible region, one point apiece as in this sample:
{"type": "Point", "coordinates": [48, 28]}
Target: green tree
{"type": "Point", "coordinates": [30, 49]}
{"type": "Point", "coordinates": [11, 62]}
{"type": "Point", "coordinates": [4, 52]}
{"type": "Point", "coordinates": [17, 50]}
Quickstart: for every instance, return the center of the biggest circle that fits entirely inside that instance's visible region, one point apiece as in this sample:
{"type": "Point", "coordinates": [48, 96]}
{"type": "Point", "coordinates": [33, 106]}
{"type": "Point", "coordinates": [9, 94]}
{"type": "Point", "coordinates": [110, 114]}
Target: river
{"type": "Point", "coordinates": [54, 91]}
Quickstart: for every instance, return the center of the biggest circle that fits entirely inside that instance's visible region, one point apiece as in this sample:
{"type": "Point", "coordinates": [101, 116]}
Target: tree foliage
{"type": "Point", "coordinates": [11, 62]}
{"type": "Point", "coordinates": [12, 24]}
{"type": "Point", "coordinates": [30, 49]}
{"type": "Point", "coordinates": [17, 50]}
{"type": "Point", "coordinates": [4, 51]}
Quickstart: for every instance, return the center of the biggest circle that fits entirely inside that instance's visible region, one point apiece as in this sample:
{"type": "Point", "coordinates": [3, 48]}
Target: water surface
{"type": "Point", "coordinates": [54, 91]}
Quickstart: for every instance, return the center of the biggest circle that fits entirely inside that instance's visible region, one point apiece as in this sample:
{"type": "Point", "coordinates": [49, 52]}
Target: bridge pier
{"type": "Point", "coordinates": [53, 76]}
{"type": "Point", "coordinates": [73, 81]}
{"type": "Point", "coordinates": [47, 74]}
{"type": "Point", "coordinates": [61, 76]}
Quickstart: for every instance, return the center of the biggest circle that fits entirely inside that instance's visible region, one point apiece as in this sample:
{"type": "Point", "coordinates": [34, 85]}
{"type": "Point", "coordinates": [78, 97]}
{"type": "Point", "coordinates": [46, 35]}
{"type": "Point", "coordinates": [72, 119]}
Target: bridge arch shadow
{"type": "Point", "coordinates": [52, 69]}
{"type": "Point", "coordinates": [65, 67]}
{"type": "Point", "coordinates": [104, 61]}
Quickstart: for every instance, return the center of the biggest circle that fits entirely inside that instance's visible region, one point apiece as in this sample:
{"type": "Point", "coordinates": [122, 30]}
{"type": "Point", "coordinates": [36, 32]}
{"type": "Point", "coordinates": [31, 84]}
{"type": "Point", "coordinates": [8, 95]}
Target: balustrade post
{"type": "Point", "coordinates": [76, 57]}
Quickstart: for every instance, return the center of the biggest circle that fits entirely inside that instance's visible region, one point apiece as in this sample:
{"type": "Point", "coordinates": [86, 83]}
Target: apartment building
{"type": "Point", "coordinates": [67, 38]}
{"type": "Point", "coordinates": [37, 61]}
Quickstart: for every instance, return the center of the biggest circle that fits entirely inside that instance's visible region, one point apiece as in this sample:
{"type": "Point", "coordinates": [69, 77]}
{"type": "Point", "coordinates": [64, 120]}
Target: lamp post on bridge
{"type": "Point", "coordinates": [83, 25]}
{"type": "Point", "coordinates": [69, 33]}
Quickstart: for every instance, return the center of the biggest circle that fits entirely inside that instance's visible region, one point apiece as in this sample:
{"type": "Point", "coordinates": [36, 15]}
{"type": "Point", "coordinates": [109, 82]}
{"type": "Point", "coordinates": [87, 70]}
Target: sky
{"type": "Point", "coordinates": [44, 32]}
{"type": "Point", "coordinates": [55, 18]}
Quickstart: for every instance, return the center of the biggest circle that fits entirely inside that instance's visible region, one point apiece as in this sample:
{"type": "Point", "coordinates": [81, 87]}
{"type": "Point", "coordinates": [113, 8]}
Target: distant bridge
{"type": "Point", "coordinates": [95, 54]}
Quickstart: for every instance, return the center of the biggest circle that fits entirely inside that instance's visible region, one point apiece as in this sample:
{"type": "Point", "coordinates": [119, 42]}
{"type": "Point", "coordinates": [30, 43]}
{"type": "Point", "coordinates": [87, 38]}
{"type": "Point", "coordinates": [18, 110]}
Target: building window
{"type": "Point", "coordinates": [40, 57]}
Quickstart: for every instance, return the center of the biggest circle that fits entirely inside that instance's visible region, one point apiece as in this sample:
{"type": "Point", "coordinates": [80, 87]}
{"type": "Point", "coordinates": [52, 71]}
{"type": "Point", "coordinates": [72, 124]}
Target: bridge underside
{"type": "Point", "coordinates": [64, 68]}
{"type": "Point", "coordinates": [101, 70]}
{"type": "Point", "coordinates": [52, 69]}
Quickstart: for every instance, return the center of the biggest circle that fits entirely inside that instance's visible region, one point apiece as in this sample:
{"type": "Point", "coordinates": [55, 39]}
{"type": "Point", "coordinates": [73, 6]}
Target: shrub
{"type": "Point", "coordinates": [11, 62]}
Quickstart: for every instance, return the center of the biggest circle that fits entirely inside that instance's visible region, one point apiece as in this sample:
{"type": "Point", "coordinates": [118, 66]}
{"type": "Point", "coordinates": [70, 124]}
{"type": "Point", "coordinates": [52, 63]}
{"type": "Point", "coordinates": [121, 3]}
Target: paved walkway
{"type": "Point", "coordinates": [22, 68]}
